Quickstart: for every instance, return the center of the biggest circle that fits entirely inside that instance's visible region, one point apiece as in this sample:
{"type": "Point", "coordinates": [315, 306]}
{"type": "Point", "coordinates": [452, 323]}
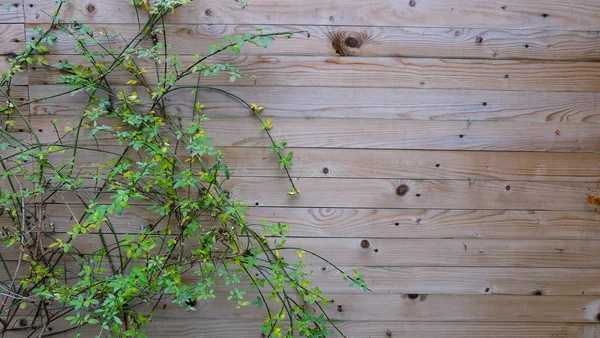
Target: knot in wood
{"type": "Point", "coordinates": [402, 190]}
{"type": "Point", "coordinates": [352, 42]}
{"type": "Point", "coordinates": [91, 8]}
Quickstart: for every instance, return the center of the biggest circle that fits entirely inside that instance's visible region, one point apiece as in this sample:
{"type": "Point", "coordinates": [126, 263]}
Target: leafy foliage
{"type": "Point", "coordinates": [165, 162]}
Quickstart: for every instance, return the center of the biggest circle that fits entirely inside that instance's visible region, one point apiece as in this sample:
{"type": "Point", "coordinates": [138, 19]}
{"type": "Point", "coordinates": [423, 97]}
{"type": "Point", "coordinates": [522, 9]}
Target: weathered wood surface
{"type": "Point", "coordinates": [399, 164]}
{"type": "Point", "coordinates": [372, 134]}
{"type": "Point", "coordinates": [384, 103]}
{"type": "Point", "coordinates": [378, 72]}
{"type": "Point", "coordinates": [580, 14]}
{"type": "Point", "coordinates": [11, 12]}
{"type": "Point", "coordinates": [387, 223]}
{"type": "Point", "coordinates": [486, 110]}
{"type": "Point", "coordinates": [20, 78]}
{"type": "Point", "coordinates": [498, 44]}
{"type": "Point", "coordinates": [171, 326]}
{"type": "Point", "coordinates": [12, 37]}
{"type": "Point", "coordinates": [572, 309]}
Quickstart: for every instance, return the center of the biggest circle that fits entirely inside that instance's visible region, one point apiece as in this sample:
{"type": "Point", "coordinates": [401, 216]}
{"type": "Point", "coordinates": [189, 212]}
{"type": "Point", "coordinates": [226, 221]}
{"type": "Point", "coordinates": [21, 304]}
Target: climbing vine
{"type": "Point", "coordinates": [166, 164]}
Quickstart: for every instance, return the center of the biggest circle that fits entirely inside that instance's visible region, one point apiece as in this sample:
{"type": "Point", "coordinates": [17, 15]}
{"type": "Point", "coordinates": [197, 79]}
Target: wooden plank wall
{"type": "Point", "coordinates": [444, 148]}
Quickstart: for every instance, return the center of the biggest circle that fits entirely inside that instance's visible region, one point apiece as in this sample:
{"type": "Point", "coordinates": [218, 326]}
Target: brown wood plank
{"type": "Point", "coordinates": [418, 164]}
{"type": "Point", "coordinates": [376, 134]}
{"type": "Point", "coordinates": [465, 281]}
{"type": "Point", "coordinates": [496, 44]}
{"type": "Point", "coordinates": [388, 103]}
{"type": "Point", "coordinates": [12, 37]}
{"type": "Point", "coordinates": [19, 79]}
{"type": "Point", "coordinates": [374, 252]}
{"type": "Point", "coordinates": [481, 308]}
{"type": "Point", "coordinates": [419, 194]}
{"type": "Point", "coordinates": [429, 280]}
{"type": "Point", "coordinates": [442, 194]}
{"type": "Point", "coordinates": [408, 164]}
{"type": "Point", "coordinates": [553, 14]}
{"type": "Point", "coordinates": [385, 223]}
{"type": "Point", "coordinates": [172, 326]}
{"type": "Point", "coordinates": [20, 95]}
{"type": "Point", "coordinates": [378, 72]}
{"type": "Point", "coordinates": [11, 12]}
{"type": "Point", "coordinates": [452, 252]}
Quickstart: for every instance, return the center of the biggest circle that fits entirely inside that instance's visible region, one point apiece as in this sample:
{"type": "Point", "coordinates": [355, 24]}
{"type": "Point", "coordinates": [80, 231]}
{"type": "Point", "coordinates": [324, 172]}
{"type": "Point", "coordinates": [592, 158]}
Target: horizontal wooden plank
{"type": "Point", "coordinates": [388, 103]}
{"type": "Point", "coordinates": [384, 223]}
{"type": "Point", "coordinates": [553, 14]}
{"type": "Point", "coordinates": [374, 134]}
{"type": "Point", "coordinates": [11, 12]}
{"type": "Point", "coordinates": [378, 252]}
{"type": "Point", "coordinates": [453, 252]}
{"type": "Point", "coordinates": [171, 326]}
{"type": "Point", "coordinates": [12, 37]}
{"type": "Point", "coordinates": [378, 72]}
{"type": "Point", "coordinates": [401, 194]}
{"type": "Point", "coordinates": [463, 281]}
{"type": "Point", "coordinates": [417, 164]}
{"type": "Point", "coordinates": [378, 307]}
{"type": "Point", "coordinates": [496, 44]}
{"type": "Point", "coordinates": [423, 280]}
{"type": "Point", "coordinates": [20, 95]}
{"type": "Point", "coordinates": [407, 164]}
{"type": "Point", "coordinates": [329, 222]}
{"type": "Point", "coordinates": [20, 79]}
{"type": "Point", "coordinates": [421, 194]}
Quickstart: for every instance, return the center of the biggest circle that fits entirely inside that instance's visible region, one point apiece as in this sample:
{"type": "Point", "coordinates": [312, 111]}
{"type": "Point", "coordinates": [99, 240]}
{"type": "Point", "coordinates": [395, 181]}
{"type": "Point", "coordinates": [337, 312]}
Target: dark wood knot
{"type": "Point", "coordinates": [402, 190]}
{"type": "Point", "coordinates": [352, 42]}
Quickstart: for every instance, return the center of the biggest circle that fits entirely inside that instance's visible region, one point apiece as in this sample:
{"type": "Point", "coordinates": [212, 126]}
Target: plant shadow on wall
{"type": "Point", "coordinates": [126, 150]}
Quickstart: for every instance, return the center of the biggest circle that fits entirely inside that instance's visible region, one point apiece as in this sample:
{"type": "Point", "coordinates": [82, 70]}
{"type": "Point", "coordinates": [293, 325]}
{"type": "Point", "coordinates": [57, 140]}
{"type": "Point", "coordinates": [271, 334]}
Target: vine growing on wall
{"type": "Point", "coordinates": [165, 163]}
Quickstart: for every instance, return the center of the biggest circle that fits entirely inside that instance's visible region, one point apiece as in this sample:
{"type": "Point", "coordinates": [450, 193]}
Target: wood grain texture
{"type": "Point", "coordinates": [420, 194]}
{"type": "Point", "coordinates": [374, 134]}
{"type": "Point", "coordinates": [20, 95]}
{"type": "Point", "coordinates": [172, 326]}
{"type": "Point", "coordinates": [20, 79]}
{"type": "Point", "coordinates": [442, 194]}
{"type": "Point", "coordinates": [376, 252]}
{"type": "Point", "coordinates": [481, 308]}
{"type": "Point", "coordinates": [438, 13]}
{"type": "Point", "coordinates": [379, 72]}
{"type": "Point", "coordinates": [12, 37]}
{"type": "Point", "coordinates": [465, 281]}
{"type": "Point", "coordinates": [430, 280]}
{"type": "Point", "coordinates": [453, 252]}
{"type": "Point", "coordinates": [427, 280]}
{"type": "Point", "coordinates": [418, 164]}
{"type": "Point", "coordinates": [371, 41]}
{"type": "Point", "coordinates": [383, 223]}
{"type": "Point", "coordinates": [407, 164]}
{"type": "Point", "coordinates": [11, 12]}
{"type": "Point", "coordinates": [386, 103]}
{"type": "Point", "coordinates": [485, 110]}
